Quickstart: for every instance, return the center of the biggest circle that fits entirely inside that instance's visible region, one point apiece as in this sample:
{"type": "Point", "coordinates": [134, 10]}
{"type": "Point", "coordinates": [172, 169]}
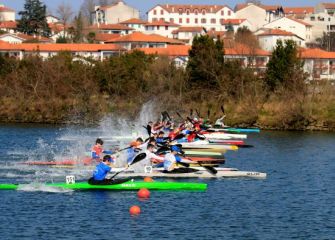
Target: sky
{"type": "Point", "coordinates": [145, 5]}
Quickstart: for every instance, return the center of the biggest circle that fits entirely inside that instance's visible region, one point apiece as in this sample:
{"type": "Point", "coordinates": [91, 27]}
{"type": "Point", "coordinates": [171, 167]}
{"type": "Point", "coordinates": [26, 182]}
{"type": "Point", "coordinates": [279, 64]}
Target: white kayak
{"type": "Point", "coordinates": [199, 174]}
{"type": "Point", "coordinates": [204, 144]}
{"type": "Point", "coordinates": [226, 136]}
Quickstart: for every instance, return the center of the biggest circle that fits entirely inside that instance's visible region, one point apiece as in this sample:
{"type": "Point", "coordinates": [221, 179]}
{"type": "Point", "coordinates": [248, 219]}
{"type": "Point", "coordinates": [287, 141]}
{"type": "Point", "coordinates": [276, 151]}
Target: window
{"type": "Point", "coordinates": [213, 20]}
{"type": "Point", "coordinates": [222, 13]}
{"type": "Point", "coordinates": [180, 20]}
{"type": "Point", "coordinates": [180, 11]}
{"type": "Point", "coordinates": [172, 20]}
{"type": "Point", "coordinates": [157, 27]}
{"type": "Point", "coordinates": [313, 18]}
{"type": "Point", "coordinates": [203, 11]}
{"type": "Point", "coordinates": [196, 11]}
{"type": "Point", "coordinates": [196, 20]}
{"type": "Point", "coordinates": [188, 12]}
{"type": "Point", "coordinates": [166, 27]}
{"type": "Point", "coordinates": [229, 13]}
{"type": "Point", "coordinates": [155, 12]}
{"type": "Point", "coordinates": [187, 20]}
{"type": "Point", "coordinates": [162, 19]}
{"type": "Point", "coordinates": [203, 20]}
{"type": "Point", "coordinates": [162, 12]}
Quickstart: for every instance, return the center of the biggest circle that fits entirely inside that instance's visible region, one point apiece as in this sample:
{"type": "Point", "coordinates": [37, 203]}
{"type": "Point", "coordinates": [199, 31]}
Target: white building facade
{"type": "Point", "coordinates": [207, 16]}
{"type": "Point", "coordinates": [6, 14]}
{"type": "Point", "coordinates": [114, 13]}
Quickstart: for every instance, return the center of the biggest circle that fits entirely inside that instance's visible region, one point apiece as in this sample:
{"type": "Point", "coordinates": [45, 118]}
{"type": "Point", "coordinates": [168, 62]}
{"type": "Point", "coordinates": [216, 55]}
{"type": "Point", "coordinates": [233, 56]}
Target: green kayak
{"type": "Point", "coordinates": [126, 186]}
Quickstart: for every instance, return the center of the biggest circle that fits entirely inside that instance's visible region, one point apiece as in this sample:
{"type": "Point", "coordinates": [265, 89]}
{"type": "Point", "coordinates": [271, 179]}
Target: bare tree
{"type": "Point", "coordinates": [64, 13]}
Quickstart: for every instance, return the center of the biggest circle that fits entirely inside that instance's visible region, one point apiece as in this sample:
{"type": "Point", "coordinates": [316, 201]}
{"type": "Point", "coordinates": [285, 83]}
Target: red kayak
{"type": "Point", "coordinates": [84, 161]}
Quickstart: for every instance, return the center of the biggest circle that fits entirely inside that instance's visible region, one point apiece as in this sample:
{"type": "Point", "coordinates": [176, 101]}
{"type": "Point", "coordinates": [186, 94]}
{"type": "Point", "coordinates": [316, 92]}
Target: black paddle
{"type": "Point", "coordinates": [138, 158]}
{"type": "Point", "coordinates": [210, 169]}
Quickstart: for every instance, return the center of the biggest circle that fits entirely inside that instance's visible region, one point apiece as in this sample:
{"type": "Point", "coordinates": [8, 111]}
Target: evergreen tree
{"type": "Point", "coordinates": [206, 61]}
{"type": "Point", "coordinates": [33, 19]}
{"type": "Point", "coordinates": [285, 68]}
{"type": "Point", "coordinates": [77, 32]}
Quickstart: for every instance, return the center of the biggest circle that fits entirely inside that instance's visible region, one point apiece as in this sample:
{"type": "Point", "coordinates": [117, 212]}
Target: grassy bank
{"type": "Point", "coordinates": [60, 90]}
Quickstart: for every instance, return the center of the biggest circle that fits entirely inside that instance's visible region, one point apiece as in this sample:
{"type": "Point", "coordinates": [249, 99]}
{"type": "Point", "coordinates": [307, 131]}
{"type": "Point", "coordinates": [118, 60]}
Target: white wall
{"type": "Point", "coordinates": [118, 13]}
{"type": "Point", "coordinates": [192, 19]}
{"type": "Point", "coordinates": [321, 23]}
{"type": "Point", "coordinates": [268, 43]}
{"type": "Point", "coordinates": [10, 39]}
{"type": "Point", "coordinates": [165, 31]}
{"type": "Point", "coordinates": [292, 26]}
{"type": "Point", "coordinates": [7, 16]}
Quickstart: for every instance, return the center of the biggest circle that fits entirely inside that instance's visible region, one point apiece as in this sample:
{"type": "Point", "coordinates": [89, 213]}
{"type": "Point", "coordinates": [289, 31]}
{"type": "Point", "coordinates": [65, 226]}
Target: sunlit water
{"type": "Point", "coordinates": [296, 201]}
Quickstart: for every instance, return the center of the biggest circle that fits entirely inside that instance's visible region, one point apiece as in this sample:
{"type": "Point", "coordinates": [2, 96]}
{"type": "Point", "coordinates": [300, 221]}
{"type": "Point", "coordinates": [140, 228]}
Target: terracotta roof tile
{"type": "Point", "coordinates": [8, 24]}
{"type": "Point", "coordinates": [316, 53]}
{"type": "Point", "coordinates": [241, 6]}
{"type": "Point", "coordinates": [300, 21]}
{"type": "Point", "coordinates": [30, 47]}
{"type": "Point", "coordinates": [134, 21]}
{"type": "Point", "coordinates": [276, 32]}
{"type": "Point", "coordinates": [298, 10]}
{"type": "Point", "coordinates": [189, 29]}
{"type": "Point", "coordinates": [141, 37]}
{"type": "Point", "coordinates": [176, 8]}
{"type": "Point", "coordinates": [232, 21]}
{"type": "Point", "coordinates": [161, 23]}
{"type": "Point", "coordinates": [6, 9]}
{"type": "Point", "coordinates": [329, 5]}
{"type": "Point", "coordinates": [106, 36]}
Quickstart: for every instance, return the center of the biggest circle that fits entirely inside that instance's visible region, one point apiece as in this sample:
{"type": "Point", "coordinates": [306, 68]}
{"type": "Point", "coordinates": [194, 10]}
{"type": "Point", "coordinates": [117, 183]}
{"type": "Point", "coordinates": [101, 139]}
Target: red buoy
{"type": "Point", "coordinates": [143, 193]}
{"type": "Point", "coordinates": [148, 179]}
{"type": "Point", "coordinates": [135, 210]}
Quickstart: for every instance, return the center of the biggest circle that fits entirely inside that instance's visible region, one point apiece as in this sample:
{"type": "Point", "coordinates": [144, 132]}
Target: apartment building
{"type": "Point", "coordinates": [207, 16]}
{"type": "Point", "coordinates": [6, 14]}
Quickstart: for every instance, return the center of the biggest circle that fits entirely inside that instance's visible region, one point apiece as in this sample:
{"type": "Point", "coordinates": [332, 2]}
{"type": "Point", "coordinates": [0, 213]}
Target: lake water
{"type": "Point", "coordinates": [296, 201]}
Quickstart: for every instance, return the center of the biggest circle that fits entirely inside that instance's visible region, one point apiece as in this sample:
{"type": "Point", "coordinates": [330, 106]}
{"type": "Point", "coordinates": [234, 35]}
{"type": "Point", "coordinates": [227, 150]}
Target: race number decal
{"type": "Point", "coordinates": [70, 179]}
{"type": "Point", "coordinates": [148, 169]}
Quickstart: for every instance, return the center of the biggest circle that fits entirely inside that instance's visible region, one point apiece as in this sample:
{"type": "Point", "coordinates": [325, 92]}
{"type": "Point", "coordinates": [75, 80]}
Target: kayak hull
{"type": "Point", "coordinates": [127, 186]}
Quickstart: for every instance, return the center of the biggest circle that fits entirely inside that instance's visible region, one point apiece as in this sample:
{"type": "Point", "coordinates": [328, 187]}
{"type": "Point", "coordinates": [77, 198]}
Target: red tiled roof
{"type": "Point", "coordinates": [103, 37]}
{"type": "Point", "coordinates": [188, 29]}
{"type": "Point", "coordinates": [161, 23]}
{"type": "Point", "coordinates": [31, 47]}
{"type": "Point", "coordinates": [6, 9]}
{"type": "Point", "coordinates": [176, 8]}
{"type": "Point", "coordinates": [110, 27]}
{"type": "Point", "coordinates": [8, 24]}
{"type": "Point", "coordinates": [276, 32]}
{"type": "Point", "coordinates": [329, 5]}
{"type": "Point", "coordinates": [170, 50]}
{"type": "Point", "coordinates": [265, 7]}
{"type": "Point", "coordinates": [230, 47]}
{"type": "Point", "coordinates": [300, 21]}
{"type": "Point", "coordinates": [298, 10]}
{"type": "Point", "coordinates": [134, 21]}
{"type": "Point", "coordinates": [26, 37]}
{"type": "Point", "coordinates": [316, 53]}
{"type": "Point", "coordinates": [232, 21]}
{"type": "Point", "coordinates": [215, 34]}
{"type": "Point", "coordinates": [141, 37]}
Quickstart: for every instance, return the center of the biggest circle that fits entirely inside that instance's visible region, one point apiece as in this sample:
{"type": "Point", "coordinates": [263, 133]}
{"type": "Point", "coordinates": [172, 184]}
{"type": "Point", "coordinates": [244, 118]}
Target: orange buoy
{"type": "Point", "coordinates": [148, 179]}
{"type": "Point", "coordinates": [143, 193]}
{"type": "Point", "coordinates": [135, 210]}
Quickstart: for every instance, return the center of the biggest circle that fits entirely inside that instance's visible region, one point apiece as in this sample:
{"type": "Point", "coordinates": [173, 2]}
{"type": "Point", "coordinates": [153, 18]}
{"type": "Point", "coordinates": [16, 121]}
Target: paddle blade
{"type": "Point", "coordinates": [222, 109]}
{"type": "Point", "coordinates": [210, 169]}
{"type": "Point", "coordinates": [183, 164]}
{"type": "Point", "coordinates": [138, 158]}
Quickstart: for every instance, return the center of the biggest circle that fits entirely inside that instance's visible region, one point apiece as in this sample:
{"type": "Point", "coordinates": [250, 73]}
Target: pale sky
{"type": "Point", "coordinates": [145, 5]}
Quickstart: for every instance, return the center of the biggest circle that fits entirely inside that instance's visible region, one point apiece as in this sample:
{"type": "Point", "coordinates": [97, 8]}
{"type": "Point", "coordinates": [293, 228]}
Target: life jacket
{"type": "Point", "coordinates": [97, 150]}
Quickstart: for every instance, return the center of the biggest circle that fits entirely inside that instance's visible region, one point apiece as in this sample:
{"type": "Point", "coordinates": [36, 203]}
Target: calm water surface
{"type": "Point", "coordinates": [296, 201]}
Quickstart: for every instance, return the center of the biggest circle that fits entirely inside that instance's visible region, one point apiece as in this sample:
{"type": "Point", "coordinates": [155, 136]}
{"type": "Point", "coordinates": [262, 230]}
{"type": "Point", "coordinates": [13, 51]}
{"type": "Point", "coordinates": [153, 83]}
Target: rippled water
{"type": "Point", "coordinates": [296, 201]}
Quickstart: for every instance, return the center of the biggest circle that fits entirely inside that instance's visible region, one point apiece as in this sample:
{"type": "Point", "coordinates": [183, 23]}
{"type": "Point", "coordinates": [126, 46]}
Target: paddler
{"type": "Point", "coordinates": [149, 159]}
{"type": "Point", "coordinates": [98, 150]}
{"type": "Point", "coordinates": [100, 172]}
{"type": "Point", "coordinates": [134, 149]}
{"type": "Point", "coordinates": [171, 159]}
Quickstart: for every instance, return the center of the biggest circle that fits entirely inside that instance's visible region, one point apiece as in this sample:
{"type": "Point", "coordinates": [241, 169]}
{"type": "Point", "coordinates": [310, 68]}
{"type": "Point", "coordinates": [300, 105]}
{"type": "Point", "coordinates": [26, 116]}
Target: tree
{"type": "Point", "coordinates": [77, 30]}
{"type": "Point", "coordinates": [33, 19]}
{"type": "Point", "coordinates": [245, 36]}
{"type": "Point", "coordinates": [285, 68]}
{"type": "Point", "coordinates": [206, 61]}
{"type": "Point", "coordinates": [256, 2]}
{"type": "Point", "coordinates": [64, 12]}
{"type": "Point", "coordinates": [327, 41]}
